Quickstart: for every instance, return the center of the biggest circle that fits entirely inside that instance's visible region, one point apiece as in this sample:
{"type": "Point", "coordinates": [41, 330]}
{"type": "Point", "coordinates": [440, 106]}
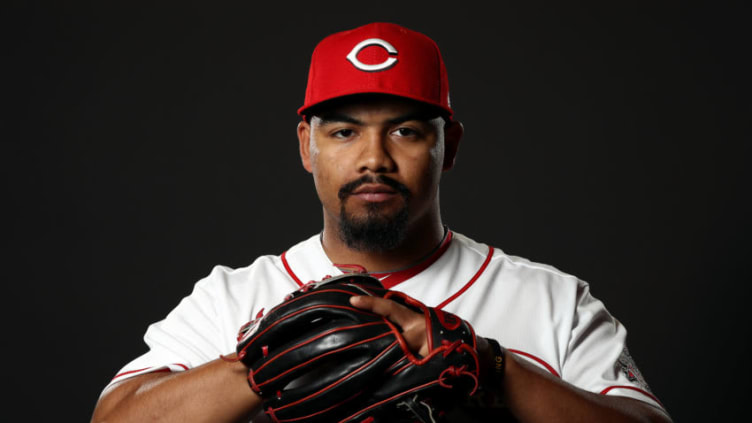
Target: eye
{"type": "Point", "coordinates": [405, 132]}
{"type": "Point", "coordinates": [343, 133]}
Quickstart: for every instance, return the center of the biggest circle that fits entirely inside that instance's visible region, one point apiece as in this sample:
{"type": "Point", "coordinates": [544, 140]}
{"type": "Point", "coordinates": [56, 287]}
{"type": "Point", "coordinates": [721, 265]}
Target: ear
{"type": "Point", "coordinates": [452, 135]}
{"type": "Point", "coordinates": [304, 138]}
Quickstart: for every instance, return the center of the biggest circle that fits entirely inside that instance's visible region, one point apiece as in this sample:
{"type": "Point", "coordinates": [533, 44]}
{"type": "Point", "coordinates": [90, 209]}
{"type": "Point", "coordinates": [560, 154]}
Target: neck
{"type": "Point", "coordinates": [422, 238]}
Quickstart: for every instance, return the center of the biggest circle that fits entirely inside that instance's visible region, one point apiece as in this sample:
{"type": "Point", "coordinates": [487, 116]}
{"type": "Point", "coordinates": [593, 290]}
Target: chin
{"type": "Point", "coordinates": [376, 230]}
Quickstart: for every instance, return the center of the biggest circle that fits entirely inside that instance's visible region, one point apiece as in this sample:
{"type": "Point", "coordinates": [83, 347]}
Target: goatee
{"type": "Point", "coordinates": [376, 231]}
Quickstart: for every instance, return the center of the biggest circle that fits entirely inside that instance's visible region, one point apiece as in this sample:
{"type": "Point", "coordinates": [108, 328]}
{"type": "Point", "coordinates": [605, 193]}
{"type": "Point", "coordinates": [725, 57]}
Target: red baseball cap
{"type": "Point", "coordinates": [380, 58]}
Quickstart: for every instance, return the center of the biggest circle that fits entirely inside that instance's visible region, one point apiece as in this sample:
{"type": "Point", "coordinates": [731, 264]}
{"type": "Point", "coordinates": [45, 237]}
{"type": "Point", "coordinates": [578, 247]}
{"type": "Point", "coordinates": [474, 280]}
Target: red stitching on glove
{"type": "Point", "coordinates": [253, 382]}
{"type": "Point", "coordinates": [340, 381]}
{"type": "Point", "coordinates": [232, 360]}
{"type": "Point", "coordinates": [455, 372]}
{"type": "Point", "coordinates": [270, 412]}
{"type": "Point", "coordinates": [450, 347]}
{"type": "Point", "coordinates": [306, 417]}
{"type": "Point", "coordinates": [338, 350]}
{"type": "Point", "coordinates": [403, 393]}
{"type": "Point", "coordinates": [252, 340]}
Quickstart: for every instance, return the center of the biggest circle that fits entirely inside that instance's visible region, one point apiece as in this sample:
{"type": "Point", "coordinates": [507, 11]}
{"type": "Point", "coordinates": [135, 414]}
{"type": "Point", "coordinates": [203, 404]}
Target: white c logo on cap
{"type": "Point", "coordinates": [386, 64]}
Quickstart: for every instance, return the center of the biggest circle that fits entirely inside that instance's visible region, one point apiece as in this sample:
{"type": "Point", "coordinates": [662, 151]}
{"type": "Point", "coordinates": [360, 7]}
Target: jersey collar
{"type": "Point", "coordinates": [391, 279]}
{"type": "Point", "coordinates": [300, 265]}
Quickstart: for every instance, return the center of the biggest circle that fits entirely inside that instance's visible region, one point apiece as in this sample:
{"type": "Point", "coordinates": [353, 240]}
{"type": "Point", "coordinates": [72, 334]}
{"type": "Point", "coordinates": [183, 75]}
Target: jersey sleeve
{"type": "Point", "coordinates": [597, 357]}
{"type": "Point", "coordinates": [187, 337]}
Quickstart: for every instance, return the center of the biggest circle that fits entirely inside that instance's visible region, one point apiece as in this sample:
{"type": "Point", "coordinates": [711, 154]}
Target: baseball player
{"type": "Point", "coordinates": [376, 133]}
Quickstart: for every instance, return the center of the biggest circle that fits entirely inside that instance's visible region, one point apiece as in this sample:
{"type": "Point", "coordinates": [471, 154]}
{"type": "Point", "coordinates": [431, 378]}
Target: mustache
{"type": "Point", "coordinates": [349, 187]}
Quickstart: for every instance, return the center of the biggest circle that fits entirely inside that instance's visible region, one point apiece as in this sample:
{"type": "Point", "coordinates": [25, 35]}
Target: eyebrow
{"type": "Point", "coordinates": [422, 115]}
{"type": "Point", "coordinates": [338, 118]}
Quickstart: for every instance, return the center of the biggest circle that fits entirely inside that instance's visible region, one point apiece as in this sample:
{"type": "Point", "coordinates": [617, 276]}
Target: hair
{"type": "Point", "coordinates": [322, 108]}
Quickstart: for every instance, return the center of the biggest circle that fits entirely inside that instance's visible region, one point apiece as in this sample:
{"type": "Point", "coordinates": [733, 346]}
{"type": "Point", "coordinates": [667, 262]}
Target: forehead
{"type": "Point", "coordinates": [376, 105]}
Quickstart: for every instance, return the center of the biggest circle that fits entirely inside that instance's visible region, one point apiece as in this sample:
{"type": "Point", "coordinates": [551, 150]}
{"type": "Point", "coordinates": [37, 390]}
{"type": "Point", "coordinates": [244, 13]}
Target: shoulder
{"type": "Point", "coordinates": [514, 268]}
{"type": "Point", "coordinates": [492, 286]}
{"type": "Point", "coordinates": [265, 273]}
{"type": "Point", "coordinates": [228, 277]}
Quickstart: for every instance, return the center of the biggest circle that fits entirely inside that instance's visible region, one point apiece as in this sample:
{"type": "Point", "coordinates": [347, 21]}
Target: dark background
{"type": "Point", "coordinates": [144, 143]}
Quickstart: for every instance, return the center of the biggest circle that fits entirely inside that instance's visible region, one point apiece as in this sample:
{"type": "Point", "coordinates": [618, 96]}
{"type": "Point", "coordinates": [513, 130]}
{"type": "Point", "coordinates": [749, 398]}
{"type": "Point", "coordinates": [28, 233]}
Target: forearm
{"type": "Point", "coordinates": [533, 395]}
{"type": "Point", "coordinates": [215, 392]}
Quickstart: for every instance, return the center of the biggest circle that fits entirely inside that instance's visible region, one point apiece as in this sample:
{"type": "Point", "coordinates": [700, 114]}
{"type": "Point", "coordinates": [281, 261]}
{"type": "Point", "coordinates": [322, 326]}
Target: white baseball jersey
{"type": "Point", "coordinates": [535, 311]}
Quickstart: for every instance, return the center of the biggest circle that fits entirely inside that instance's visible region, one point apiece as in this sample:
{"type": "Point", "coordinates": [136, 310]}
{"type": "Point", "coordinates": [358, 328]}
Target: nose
{"type": "Point", "coordinates": [375, 155]}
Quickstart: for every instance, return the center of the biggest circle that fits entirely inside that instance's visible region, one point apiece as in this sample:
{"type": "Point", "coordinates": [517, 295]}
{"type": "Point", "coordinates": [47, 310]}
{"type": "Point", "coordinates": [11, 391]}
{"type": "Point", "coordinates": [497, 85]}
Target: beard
{"type": "Point", "coordinates": [374, 232]}
{"type": "Point", "coordinates": [377, 231]}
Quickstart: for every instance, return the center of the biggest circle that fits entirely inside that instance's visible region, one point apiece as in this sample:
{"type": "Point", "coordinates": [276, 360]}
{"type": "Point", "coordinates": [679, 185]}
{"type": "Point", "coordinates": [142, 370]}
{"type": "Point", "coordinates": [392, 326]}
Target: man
{"type": "Point", "coordinates": [377, 133]}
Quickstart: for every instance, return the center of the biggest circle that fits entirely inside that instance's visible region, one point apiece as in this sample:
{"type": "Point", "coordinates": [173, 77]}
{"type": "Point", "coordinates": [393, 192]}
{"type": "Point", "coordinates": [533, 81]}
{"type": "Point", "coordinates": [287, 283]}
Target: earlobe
{"type": "Point", "coordinates": [304, 139]}
{"type": "Point", "coordinates": [452, 136]}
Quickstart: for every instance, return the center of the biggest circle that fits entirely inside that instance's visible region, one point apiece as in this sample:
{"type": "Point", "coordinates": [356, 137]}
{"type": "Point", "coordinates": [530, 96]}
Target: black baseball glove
{"type": "Point", "coordinates": [316, 358]}
{"type": "Point", "coordinates": [423, 389]}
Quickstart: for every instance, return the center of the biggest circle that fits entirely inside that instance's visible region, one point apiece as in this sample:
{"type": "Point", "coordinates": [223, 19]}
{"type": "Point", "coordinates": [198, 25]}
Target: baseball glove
{"type": "Point", "coordinates": [423, 389]}
{"type": "Point", "coordinates": [316, 358]}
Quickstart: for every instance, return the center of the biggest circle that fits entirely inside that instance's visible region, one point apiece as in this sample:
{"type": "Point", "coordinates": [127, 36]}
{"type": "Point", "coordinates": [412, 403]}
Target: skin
{"type": "Point", "coordinates": [214, 392]}
{"type": "Point", "coordinates": [379, 138]}
{"type": "Point", "coordinates": [374, 138]}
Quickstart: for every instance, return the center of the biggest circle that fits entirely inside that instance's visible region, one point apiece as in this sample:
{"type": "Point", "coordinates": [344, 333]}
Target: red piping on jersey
{"type": "Point", "coordinates": [471, 281]}
{"type": "Point", "coordinates": [159, 370]}
{"type": "Point", "coordinates": [289, 270]}
{"type": "Point", "coordinates": [390, 280]}
{"type": "Point", "coordinates": [605, 391]}
{"type": "Point", "coordinates": [540, 361]}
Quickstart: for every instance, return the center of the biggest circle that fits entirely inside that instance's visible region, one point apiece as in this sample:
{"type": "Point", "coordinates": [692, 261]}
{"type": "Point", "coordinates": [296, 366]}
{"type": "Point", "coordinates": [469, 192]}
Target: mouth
{"type": "Point", "coordinates": [374, 193]}
{"type": "Point", "coordinates": [374, 189]}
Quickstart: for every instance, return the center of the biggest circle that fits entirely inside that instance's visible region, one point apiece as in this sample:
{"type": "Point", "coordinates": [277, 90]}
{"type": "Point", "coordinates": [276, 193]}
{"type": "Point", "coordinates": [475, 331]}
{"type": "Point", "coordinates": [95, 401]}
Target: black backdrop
{"type": "Point", "coordinates": [144, 144]}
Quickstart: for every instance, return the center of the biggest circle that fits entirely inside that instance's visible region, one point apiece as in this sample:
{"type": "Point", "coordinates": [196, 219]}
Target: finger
{"type": "Point", "coordinates": [412, 324]}
{"type": "Point", "coordinates": [393, 311]}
